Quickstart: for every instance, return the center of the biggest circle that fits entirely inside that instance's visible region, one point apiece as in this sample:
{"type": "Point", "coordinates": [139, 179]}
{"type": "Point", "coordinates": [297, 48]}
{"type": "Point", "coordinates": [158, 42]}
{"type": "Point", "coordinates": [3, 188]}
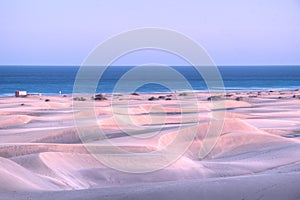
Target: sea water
{"type": "Point", "coordinates": [53, 79]}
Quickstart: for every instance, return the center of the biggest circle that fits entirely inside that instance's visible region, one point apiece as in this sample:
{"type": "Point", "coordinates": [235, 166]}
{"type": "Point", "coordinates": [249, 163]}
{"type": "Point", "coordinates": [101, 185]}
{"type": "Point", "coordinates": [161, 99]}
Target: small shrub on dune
{"type": "Point", "coordinates": [239, 99]}
{"type": "Point", "coordinates": [100, 97]}
{"type": "Point", "coordinates": [229, 95]}
{"type": "Point", "coordinates": [151, 99]}
{"type": "Point", "coordinates": [214, 98]}
{"type": "Point", "coordinates": [183, 94]}
{"type": "Point", "coordinates": [79, 99]}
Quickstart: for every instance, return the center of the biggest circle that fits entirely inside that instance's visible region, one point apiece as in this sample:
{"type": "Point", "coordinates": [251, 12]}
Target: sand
{"type": "Point", "coordinates": [255, 154]}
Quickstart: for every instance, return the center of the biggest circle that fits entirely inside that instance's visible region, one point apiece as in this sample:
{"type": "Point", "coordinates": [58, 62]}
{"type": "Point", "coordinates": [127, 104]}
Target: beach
{"type": "Point", "coordinates": [255, 156]}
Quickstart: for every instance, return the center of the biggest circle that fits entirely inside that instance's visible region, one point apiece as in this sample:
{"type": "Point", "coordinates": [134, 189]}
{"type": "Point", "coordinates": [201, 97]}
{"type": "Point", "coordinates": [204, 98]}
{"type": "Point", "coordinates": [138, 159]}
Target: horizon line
{"type": "Point", "coordinates": [70, 65]}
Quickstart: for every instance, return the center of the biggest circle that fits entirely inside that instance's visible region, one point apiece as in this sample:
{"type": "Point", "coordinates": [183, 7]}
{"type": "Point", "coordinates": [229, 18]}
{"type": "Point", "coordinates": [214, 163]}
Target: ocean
{"type": "Point", "coordinates": [52, 79]}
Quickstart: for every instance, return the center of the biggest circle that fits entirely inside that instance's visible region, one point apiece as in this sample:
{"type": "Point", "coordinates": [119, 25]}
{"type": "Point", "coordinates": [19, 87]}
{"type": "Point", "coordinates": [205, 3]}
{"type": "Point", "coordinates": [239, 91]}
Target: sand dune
{"type": "Point", "coordinates": [256, 154]}
{"type": "Point", "coordinates": [66, 136]}
{"type": "Point", "coordinates": [12, 121]}
{"type": "Point", "coordinates": [17, 178]}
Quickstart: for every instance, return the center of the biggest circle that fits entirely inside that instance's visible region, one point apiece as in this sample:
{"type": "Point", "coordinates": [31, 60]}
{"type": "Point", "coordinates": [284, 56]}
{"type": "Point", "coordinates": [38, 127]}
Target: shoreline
{"type": "Point", "coordinates": [163, 93]}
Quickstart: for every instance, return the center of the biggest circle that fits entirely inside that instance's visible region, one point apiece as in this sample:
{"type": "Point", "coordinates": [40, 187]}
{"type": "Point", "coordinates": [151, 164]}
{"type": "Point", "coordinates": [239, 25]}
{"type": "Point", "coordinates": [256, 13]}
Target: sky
{"type": "Point", "coordinates": [233, 32]}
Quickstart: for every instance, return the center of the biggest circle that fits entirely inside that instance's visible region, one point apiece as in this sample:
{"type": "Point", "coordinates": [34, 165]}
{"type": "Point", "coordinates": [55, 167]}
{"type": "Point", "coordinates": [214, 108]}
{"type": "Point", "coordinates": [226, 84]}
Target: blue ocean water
{"type": "Point", "coordinates": [52, 79]}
